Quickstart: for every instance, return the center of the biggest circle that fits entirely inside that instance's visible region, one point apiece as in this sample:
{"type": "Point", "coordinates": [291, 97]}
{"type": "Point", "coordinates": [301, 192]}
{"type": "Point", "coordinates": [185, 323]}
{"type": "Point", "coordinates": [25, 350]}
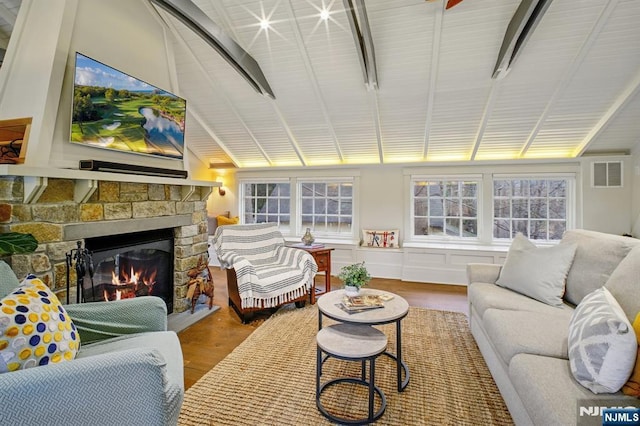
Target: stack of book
{"type": "Point", "coordinates": [355, 304]}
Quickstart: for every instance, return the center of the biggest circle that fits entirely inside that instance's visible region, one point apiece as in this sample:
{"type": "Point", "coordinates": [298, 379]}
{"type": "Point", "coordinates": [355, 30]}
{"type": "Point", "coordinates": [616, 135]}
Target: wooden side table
{"type": "Point", "coordinates": [322, 256]}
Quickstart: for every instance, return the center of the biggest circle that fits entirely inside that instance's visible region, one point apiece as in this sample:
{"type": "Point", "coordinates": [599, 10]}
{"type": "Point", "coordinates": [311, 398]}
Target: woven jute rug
{"type": "Point", "coordinates": [270, 378]}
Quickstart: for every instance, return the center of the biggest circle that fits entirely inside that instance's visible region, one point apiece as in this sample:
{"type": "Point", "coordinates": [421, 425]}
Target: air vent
{"type": "Point", "coordinates": [606, 174]}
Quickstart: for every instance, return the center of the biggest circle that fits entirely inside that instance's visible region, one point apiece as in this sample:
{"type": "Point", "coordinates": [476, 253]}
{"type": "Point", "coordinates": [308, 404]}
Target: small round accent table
{"type": "Point", "coordinates": [394, 311]}
{"type": "Point", "coordinates": [351, 342]}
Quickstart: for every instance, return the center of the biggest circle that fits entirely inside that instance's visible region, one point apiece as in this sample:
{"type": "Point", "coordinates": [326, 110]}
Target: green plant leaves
{"type": "Point", "coordinates": [17, 243]}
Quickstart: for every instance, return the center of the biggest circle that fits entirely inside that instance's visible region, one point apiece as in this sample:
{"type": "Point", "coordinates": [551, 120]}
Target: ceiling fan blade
{"type": "Point", "coordinates": [451, 3]}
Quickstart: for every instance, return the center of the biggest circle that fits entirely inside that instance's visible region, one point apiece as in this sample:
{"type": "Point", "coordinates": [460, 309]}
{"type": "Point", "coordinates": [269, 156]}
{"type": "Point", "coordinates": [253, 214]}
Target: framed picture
{"type": "Point", "coordinates": [385, 238]}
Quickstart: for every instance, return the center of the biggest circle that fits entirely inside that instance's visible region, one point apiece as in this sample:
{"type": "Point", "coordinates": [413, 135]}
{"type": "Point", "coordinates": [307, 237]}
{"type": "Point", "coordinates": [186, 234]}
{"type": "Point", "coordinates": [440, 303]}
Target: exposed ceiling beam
{"type": "Point", "coordinates": [357, 17]}
{"type": "Point", "coordinates": [200, 23]}
{"type": "Point", "coordinates": [486, 115]}
{"type": "Point", "coordinates": [313, 79]}
{"type": "Point", "coordinates": [376, 118]}
{"type": "Point", "coordinates": [627, 95]}
{"type": "Point", "coordinates": [290, 135]}
{"type": "Point", "coordinates": [524, 21]}
{"type": "Point", "coordinates": [433, 77]}
{"type": "Point", "coordinates": [570, 72]}
{"type": "Point", "coordinates": [224, 96]}
{"type": "Point", "coordinates": [213, 135]}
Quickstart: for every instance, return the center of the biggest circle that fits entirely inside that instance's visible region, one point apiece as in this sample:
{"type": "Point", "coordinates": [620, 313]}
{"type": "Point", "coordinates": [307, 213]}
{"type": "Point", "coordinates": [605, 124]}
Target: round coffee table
{"type": "Point", "coordinates": [394, 311]}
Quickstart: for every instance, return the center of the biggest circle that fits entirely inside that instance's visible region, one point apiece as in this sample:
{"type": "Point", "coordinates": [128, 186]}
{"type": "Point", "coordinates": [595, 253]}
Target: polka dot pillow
{"type": "Point", "coordinates": [34, 328]}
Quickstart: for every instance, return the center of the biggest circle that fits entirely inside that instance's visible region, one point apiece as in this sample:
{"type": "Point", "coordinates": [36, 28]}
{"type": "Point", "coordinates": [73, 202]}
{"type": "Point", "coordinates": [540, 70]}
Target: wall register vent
{"type": "Point", "coordinates": [606, 174]}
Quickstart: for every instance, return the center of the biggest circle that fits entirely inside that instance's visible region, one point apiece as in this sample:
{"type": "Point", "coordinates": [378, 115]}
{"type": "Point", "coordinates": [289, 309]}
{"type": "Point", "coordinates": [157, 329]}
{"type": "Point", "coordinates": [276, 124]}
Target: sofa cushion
{"type": "Point", "coordinates": [624, 283]}
{"type": "Point", "coordinates": [34, 328]}
{"type": "Point", "coordinates": [514, 332]}
{"type": "Point", "coordinates": [602, 343]}
{"type": "Point", "coordinates": [485, 296]}
{"type": "Point", "coordinates": [550, 393]}
{"type": "Point", "coordinates": [537, 272]}
{"type": "Point", "coordinates": [597, 255]}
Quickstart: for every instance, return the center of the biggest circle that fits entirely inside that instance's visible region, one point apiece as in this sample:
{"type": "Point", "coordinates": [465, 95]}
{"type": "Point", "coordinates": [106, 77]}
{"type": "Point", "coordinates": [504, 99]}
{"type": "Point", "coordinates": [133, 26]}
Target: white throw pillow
{"type": "Point", "coordinates": [537, 272]}
{"type": "Point", "coordinates": [602, 343]}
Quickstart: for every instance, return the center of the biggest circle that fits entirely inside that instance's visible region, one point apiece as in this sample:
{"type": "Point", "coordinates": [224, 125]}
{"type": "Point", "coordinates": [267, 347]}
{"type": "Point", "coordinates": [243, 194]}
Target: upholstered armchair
{"type": "Point", "coordinates": [128, 369]}
{"type": "Point", "coordinates": [262, 272]}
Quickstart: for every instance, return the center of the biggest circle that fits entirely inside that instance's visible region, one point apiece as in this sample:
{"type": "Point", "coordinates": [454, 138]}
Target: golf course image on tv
{"type": "Point", "coordinates": [113, 110]}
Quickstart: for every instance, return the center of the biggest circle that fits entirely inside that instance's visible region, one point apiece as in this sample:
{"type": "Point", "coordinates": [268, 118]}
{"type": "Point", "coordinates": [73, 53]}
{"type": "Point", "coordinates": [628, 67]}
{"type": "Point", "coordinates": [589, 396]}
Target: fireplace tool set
{"type": "Point", "coordinates": [82, 261]}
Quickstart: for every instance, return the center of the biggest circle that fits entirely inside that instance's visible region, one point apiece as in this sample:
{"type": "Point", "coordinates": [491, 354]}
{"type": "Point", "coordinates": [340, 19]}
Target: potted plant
{"type": "Point", "coordinates": [17, 243]}
{"type": "Point", "coordinates": [354, 276]}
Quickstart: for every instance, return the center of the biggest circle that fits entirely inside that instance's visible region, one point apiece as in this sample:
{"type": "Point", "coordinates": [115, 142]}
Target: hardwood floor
{"type": "Point", "coordinates": [207, 342]}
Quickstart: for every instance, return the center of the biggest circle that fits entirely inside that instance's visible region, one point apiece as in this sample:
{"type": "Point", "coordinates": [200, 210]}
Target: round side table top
{"type": "Point", "coordinates": [393, 310]}
{"type": "Point", "coordinates": [352, 341]}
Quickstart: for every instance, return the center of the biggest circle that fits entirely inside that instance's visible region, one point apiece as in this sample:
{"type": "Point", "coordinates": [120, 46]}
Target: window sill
{"type": "Point", "coordinates": [501, 248]}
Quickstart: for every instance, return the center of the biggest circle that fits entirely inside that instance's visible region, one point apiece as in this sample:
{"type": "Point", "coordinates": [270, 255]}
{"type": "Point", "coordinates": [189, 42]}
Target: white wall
{"type": "Point", "coordinates": [608, 209]}
{"type": "Point", "coordinates": [635, 189]}
{"type": "Point", "coordinates": [36, 79]}
{"type": "Point", "coordinates": [382, 204]}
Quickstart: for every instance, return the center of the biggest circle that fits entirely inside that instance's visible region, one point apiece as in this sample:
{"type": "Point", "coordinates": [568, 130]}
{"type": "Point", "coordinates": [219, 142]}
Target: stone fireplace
{"type": "Point", "coordinates": [60, 212]}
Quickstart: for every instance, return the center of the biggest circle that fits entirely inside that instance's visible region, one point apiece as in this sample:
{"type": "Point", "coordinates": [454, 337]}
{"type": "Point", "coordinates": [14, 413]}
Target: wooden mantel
{"type": "Point", "coordinates": [86, 182]}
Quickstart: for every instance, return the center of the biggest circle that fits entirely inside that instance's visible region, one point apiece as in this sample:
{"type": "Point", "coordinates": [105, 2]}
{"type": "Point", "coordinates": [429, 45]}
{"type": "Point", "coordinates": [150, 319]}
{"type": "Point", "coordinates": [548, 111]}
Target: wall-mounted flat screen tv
{"type": "Point", "coordinates": [113, 110]}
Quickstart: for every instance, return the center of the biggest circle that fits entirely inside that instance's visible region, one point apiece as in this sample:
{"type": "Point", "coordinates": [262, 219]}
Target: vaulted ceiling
{"type": "Point", "coordinates": [573, 89]}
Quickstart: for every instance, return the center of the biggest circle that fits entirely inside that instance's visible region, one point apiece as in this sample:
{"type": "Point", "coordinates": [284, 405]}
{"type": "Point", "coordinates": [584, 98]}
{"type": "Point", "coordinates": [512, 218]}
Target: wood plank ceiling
{"type": "Point", "coordinates": [574, 88]}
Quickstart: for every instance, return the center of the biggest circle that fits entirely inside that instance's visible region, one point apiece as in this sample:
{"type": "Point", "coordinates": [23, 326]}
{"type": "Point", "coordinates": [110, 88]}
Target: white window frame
{"type": "Point", "coordinates": [412, 236]}
{"type": "Point", "coordinates": [570, 199]}
{"type": "Point", "coordinates": [243, 182]}
{"type": "Point", "coordinates": [323, 234]}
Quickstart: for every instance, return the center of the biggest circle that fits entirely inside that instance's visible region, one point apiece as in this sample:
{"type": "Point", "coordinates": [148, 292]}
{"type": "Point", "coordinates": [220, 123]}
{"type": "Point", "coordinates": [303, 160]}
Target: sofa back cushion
{"type": "Point", "coordinates": [537, 272]}
{"type": "Point", "coordinates": [597, 256]}
{"type": "Point", "coordinates": [624, 284]}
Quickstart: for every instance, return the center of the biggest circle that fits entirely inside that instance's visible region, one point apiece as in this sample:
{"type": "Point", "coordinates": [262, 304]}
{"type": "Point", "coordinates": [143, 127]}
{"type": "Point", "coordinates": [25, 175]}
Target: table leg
{"type": "Point", "coordinates": [399, 354]}
{"type": "Point", "coordinates": [402, 385]}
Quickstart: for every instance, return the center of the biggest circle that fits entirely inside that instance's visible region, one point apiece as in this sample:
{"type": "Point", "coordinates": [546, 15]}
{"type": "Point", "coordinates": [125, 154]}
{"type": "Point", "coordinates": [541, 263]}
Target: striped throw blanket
{"type": "Point", "coordinates": [268, 273]}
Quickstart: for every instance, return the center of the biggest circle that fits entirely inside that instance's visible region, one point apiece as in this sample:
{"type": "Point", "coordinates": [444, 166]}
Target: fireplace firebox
{"type": "Point", "coordinates": [130, 265]}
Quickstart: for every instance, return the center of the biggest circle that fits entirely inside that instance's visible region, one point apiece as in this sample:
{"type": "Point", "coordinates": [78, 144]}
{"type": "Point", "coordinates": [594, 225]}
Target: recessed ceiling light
{"type": "Point", "coordinates": [264, 24]}
{"type": "Point", "coordinates": [324, 14]}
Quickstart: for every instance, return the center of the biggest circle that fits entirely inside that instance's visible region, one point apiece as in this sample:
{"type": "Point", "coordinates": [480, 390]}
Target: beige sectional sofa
{"type": "Point", "coordinates": [525, 341]}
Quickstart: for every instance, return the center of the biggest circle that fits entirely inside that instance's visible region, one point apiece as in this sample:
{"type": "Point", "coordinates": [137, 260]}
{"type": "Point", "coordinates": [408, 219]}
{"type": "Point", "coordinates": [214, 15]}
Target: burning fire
{"type": "Point", "coordinates": [130, 285]}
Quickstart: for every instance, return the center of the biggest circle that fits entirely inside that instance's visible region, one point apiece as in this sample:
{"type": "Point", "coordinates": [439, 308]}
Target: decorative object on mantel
{"type": "Point", "coordinates": [200, 283]}
{"type": "Point", "coordinates": [307, 238]}
{"type": "Point", "coordinates": [354, 276]}
{"type": "Point", "coordinates": [386, 238]}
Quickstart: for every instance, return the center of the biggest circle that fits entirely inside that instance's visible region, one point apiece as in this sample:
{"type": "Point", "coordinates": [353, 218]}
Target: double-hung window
{"type": "Point", "coordinates": [326, 206]}
{"type": "Point", "coordinates": [445, 207]}
{"type": "Point", "coordinates": [538, 207]}
{"type": "Point", "coordinates": [267, 202]}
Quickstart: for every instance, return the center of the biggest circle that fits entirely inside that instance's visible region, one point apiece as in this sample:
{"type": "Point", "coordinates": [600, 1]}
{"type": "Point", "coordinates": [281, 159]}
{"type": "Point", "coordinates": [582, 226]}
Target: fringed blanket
{"type": "Point", "coordinates": [268, 273]}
